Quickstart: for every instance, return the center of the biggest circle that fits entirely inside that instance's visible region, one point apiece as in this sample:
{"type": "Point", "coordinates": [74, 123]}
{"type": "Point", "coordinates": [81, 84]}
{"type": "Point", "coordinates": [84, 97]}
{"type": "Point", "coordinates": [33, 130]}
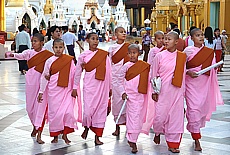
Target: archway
{"type": "Point", "coordinates": [34, 10]}
{"type": "Point", "coordinates": [93, 25]}
{"type": "Point", "coordinates": [74, 26]}
{"type": "Point", "coordinates": [42, 25]}
{"type": "Point", "coordinates": [26, 21]}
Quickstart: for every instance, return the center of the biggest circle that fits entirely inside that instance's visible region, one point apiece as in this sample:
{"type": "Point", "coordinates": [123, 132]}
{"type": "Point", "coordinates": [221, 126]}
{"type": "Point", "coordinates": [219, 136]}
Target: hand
{"type": "Point", "coordinates": [74, 93]}
{"type": "Point", "coordinates": [40, 99]}
{"type": "Point", "coordinates": [155, 97]}
{"type": "Point", "coordinates": [83, 65]}
{"type": "Point", "coordinates": [192, 74]}
{"type": "Point", "coordinates": [110, 92]}
{"type": "Point", "coordinates": [124, 96]}
{"type": "Point", "coordinates": [47, 77]}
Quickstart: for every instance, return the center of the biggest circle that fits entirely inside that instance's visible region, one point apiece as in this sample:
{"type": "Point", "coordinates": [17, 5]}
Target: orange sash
{"type": "Point", "coordinates": [204, 57]}
{"type": "Point", "coordinates": [62, 65]}
{"type": "Point", "coordinates": [179, 69]}
{"type": "Point", "coordinates": [98, 61]}
{"type": "Point", "coordinates": [39, 60]}
{"type": "Point", "coordinates": [121, 53]}
{"type": "Point", "coordinates": [142, 68]}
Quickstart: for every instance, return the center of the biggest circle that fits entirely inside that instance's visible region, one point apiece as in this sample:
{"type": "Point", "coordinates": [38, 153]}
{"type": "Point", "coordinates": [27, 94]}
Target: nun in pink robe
{"type": "Point", "coordinates": [152, 53]}
{"type": "Point", "coordinates": [169, 110]}
{"type": "Point", "coordinates": [117, 101]}
{"type": "Point", "coordinates": [136, 105]}
{"type": "Point", "coordinates": [95, 94]}
{"type": "Point", "coordinates": [36, 111]}
{"type": "Point", "coordinates": [63, 111]}
{"type": "Point", "coordinates": [202, 96]}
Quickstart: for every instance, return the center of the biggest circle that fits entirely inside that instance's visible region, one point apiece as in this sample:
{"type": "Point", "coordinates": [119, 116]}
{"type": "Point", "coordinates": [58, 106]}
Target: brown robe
{"type": "Point", "coordinates": [62, 65]}
{"type": "Point", "coordinates": [98, 61]}
{"type": "Point", "coordinates": [179, 69]}
{"type": "Point", "coordinates": [122, 53]}
{"type": "Point", "coordinates": [204, 57]}
{"type": "Point", "coordinates": [39, 60]}
{"type": "Point", "coordinates": [142, 68]}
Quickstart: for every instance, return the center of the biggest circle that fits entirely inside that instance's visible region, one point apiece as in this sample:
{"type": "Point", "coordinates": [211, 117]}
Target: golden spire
{"type": "Point", "coordinates": [48, 7]}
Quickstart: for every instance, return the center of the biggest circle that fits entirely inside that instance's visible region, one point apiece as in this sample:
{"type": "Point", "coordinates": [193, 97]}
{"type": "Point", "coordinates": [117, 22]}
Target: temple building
{"type": "Point", "coordinates": [42, 14]}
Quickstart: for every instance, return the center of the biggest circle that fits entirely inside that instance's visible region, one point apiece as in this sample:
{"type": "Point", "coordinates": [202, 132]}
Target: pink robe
{"type": "Point", "coordinates": [62, 107]}
{"type": "Point", "coordinates": [136, 103]}
{"type": "Point", "coordinates": [152, 53]}
{"type": "Point", "coordinates": [202, 95]}
{"type": "Point", "coordinates": [116, 94]}
{"type": "Point", "coordinates": [95, 92]}
{"type": "Point", "coordinates": [35, 110]}
{"type": "Point", "coordinates": [169, 110]}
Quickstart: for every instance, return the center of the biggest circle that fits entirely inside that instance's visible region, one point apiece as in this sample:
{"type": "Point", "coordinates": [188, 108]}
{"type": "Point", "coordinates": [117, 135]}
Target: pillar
{"type": "Point", "coordinates": [2, 16]}
{"type": "Point", "coordinates": [131, 16]}
{"type": "Point", "coordinates": [179, 22]}
{"type": "Point", "coordinates": [186, 22]}
{"type": "Point", "coordinates": [206, 13]}
{"type": "Point", "coordinates": [197, 21]}
{"type": "Point", "coordinates": [192, 17]}
{"type": "Point", "coordinates": [225, 18]}
{"type": "Point", "coordinates": [142, 16]}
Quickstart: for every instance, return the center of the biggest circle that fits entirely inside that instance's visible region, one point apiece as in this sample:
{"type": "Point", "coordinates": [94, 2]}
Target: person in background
{"type": "Point", "coordinates": [23, 42]}
{"type": "Point", "coordinates": [188, 40]}
{"type": "Point", "coordinates": [224, 37]}
{"type": "Point", "coordinates": [209, 41]}
{"type": "Point", "coordinates": [81, 37]}
{"type": "Point", "coordinates": [181, 43]}
{"type": "Point", "coordinates": [146, 41]}
{"type": "Point", "coordinates": [218, 48]}
{"type": "Point", "coordinates": [54, 33]}
{"type": "Point", "coordinates": [69, 39]}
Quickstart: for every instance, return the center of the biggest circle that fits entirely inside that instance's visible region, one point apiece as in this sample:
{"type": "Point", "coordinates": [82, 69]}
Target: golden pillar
{"type": "Point", "coordinates": [186, 22]}
{"type": "Point", "coordinates": [197, 21]}
{"type": "Point", "coordinates": [142, 16]}
{"type": "Point", "coordinates": [206, 13]}
{"type": "Point", "coordinates": [131, 16]}
{"type": "Point", "coordinates": [167, 18]}
{"type": "Point", "coordinates": [138, 16]}
{"type": "Point", "coordinates": [224, 15]}
{"type": "Point", "coordinates": [2, 16]}
{"type": "Point", "coordinates": [179, 21]}
{"type": "Point", "coordinates": [192, 16]}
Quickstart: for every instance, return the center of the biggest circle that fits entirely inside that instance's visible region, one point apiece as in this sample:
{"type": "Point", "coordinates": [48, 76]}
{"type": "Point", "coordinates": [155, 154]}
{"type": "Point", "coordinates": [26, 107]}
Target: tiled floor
{"type": "Point", "coordinates": [15, 127]}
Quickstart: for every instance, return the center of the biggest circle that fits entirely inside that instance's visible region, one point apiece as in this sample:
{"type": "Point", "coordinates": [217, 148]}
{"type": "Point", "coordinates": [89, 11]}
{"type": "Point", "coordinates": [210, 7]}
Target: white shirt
{"type": "Point", "coordinates": [23, 38]}
{"type": "Point", "coordinates": [190, 41]}
{"type": "Point", "coordinates": [49, 46]}
{"type": "Point", "coordinates": [208, 44]}
{"type": "Point", "coordinates": [69, 38]}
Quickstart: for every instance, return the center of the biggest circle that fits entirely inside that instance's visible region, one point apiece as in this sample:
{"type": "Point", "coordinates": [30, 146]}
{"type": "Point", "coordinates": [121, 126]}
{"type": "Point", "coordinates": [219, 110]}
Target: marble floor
{"type": "Point", "coordinates": [15, 126]}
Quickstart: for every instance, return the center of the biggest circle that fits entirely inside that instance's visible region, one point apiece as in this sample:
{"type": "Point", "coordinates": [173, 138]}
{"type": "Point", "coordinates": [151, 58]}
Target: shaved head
{"type": "Point", "coordinates": [158, 33]}
{"type": "Point", "coordinates": [194, 31]}
{"type": "Point", "coordinates": [120, 27]}
{"type": "Point", "coordinates": [173, 34]}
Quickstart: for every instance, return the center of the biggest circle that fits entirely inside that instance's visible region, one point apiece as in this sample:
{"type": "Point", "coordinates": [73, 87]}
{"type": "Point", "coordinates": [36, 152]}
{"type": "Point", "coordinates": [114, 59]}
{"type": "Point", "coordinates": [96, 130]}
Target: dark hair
{"type": "Point", "coordinates": [90, 34]}
{"type": "Point", "coordinates": [191, 28]}
{"type": "Point", "coordinates": [52, 29]}
{"type": "Point", "coordinates": [208, 34]}
{"type": "Point", "coordinates": [136, 42]}
{"type": "Point", "coordinates": [65, 28]}
{"type": "Point", "coordinates": [23, 26]}
{"type": "Point", "coordinates": [177, 31]}
{"type": "Point", "coordinates": [35, 30]}
{"type": "Point", "coordinates": [192, 32]}
{"type": "Point", "coordinates": [20, 29]}
{"type": "Point", "coordinates": [216, 29]}
{"type": "Point", "coordinates": [81, 26]}
{"type": "Point", "coordinates": [39, 36]}
{"type": "Point", "coordinates": [58, 40]}
{"type": "Point", "coordinates": [174, 25]}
